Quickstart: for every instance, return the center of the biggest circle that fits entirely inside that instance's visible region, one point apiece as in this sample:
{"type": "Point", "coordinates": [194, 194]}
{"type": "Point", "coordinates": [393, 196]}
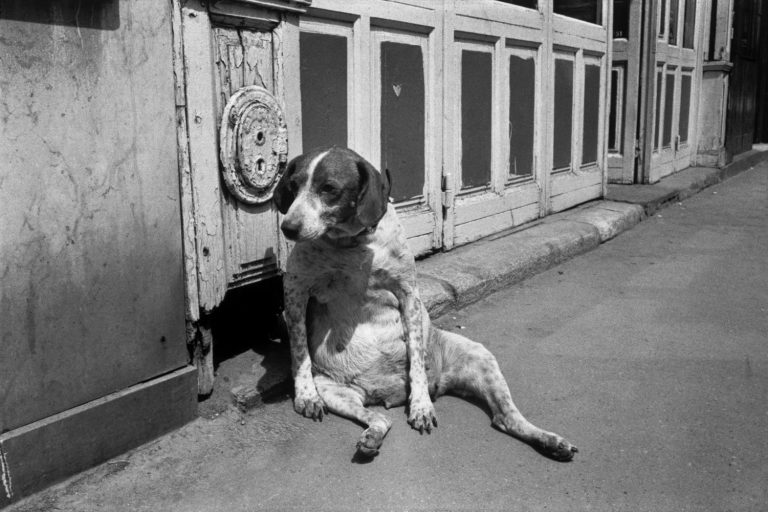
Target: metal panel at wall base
{"type": "Point", "coordinates": [45, 452]}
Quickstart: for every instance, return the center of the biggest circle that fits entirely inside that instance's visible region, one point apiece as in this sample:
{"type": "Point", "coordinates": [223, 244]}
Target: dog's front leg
{"type": "Point", "coordinates": [421, 414]}
{"type": "Point", "coordinates": [307, 401]}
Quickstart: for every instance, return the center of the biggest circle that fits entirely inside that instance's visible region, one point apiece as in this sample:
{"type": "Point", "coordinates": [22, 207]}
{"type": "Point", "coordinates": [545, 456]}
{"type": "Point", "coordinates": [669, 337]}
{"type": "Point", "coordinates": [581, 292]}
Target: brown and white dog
{"type": "Point", "coordinates": [359, 332]}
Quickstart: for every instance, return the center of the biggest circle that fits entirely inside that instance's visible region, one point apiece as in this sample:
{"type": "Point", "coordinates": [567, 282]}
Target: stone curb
{"type": "Point", "coordinates": [682, 185]}
{"type": "Point", "coordinates": [467, 274]}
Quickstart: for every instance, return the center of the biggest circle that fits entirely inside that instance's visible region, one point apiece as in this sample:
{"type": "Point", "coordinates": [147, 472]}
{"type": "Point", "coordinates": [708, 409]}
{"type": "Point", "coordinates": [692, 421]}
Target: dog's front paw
{"type": "Point", "coordinates": [422, 416]}
{"type": "Point", "coordinates": [370, 442]}
{"type": "Point", "coordinates": [310, 406]}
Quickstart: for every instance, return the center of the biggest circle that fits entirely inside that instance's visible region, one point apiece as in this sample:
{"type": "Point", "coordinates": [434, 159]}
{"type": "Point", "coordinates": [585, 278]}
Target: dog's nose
{"type": "Point", "coordinates": [290, 229]}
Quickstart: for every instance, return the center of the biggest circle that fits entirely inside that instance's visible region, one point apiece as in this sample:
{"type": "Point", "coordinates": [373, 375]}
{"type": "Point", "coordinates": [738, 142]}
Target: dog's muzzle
{"type": "Point", "coordinates": [290, 229]}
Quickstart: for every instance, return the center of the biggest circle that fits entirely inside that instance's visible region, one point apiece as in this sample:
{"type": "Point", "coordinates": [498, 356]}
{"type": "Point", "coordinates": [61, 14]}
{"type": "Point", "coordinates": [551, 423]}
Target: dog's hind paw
{"type": "Point", "coordinates": [559, 449]}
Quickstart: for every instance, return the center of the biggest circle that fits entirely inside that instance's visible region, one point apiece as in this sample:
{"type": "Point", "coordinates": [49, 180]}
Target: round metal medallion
{"type": "Point", "coordinates": [253, 144]}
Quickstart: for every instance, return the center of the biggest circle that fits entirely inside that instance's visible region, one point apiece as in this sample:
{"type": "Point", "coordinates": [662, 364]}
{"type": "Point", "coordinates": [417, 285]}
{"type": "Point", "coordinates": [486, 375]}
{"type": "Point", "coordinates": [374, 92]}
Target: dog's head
{"type": "Point", "coordinates": [331, 192]}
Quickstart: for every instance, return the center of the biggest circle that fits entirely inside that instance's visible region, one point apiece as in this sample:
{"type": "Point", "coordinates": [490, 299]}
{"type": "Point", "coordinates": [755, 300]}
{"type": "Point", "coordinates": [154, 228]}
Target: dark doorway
{"type": "Point", "coordinates": [742, 96]}
{"type": "Point", "coordinates": [761, 121]}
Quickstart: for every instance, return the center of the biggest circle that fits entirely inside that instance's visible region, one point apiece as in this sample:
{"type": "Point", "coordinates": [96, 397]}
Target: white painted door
{"type": "Point", "coordinates": [525, 108]}
{"type": "Point", "coordinates": [371, 80]}
{"type": "Point", "coordinates": [578, 64]}
{"type": "Point", "coordinates": [495, 128]}
{"type": "Point", "coordinates": [624, 107]}
{"type": "Point", "coordinates": [677, 73]}
{"type": "Point", "coordinates": [487, 113]}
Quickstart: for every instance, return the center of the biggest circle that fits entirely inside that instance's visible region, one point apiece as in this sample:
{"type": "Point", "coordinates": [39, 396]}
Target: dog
{"type": "Point", "coordinates": [359, 332]}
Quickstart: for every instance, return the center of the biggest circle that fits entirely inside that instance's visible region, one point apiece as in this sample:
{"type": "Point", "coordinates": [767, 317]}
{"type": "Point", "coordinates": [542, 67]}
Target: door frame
{"type": "Point", "coordinates": [627, 54]}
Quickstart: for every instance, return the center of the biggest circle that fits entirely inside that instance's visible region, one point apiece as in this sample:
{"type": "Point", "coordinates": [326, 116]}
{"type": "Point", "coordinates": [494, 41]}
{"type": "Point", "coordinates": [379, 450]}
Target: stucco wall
{"type": "Point", "coordinates": [90, 243]}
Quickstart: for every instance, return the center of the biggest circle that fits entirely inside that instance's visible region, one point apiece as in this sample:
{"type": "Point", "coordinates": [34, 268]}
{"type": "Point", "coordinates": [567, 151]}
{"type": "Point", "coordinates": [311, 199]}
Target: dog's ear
{"type": "Point", "coordinates": [373, 197]}
{"type": "Point", "coordinates": [283, 195]}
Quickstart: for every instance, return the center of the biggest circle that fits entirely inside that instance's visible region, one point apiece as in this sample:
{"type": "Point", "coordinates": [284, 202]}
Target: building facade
{"type": "Point", "coordinates": [141, 141]}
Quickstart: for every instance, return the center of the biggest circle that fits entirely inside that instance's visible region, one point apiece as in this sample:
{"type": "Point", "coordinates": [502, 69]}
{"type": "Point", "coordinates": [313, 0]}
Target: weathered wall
{"type": "Point", "coordinates": [91, 296]}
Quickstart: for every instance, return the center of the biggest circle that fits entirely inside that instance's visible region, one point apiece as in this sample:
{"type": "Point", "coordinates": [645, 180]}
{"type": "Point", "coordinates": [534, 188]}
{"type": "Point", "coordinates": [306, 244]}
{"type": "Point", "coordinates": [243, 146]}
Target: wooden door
{"type": "Point", "coordinates": [761, 121]}
{"type": "Point", "coordinates": [624, 104]}
{"type": "Point", "coordinates": [578, 64]}
{"type": "Point", "coordinates": [244, 56]}
{"type": "Point", "coordinates": [495, 130]}
{"type": "Point", "coordinates": [742, 95]}
{"type": "Point", "coordinates": [677, 77]}
{"type": "Point", "coordinates": [371, 80]}
{"type": "Point", "coordinates": [227, 46]}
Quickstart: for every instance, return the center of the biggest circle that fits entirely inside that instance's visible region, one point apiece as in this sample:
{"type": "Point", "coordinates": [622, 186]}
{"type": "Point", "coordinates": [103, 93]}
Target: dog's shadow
{"type": "Point", "coordinates": [251, 343]}
{"type": "Point", "coordinates": [361, 458]}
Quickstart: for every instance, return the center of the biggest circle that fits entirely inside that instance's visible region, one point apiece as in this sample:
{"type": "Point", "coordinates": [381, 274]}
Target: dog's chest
{"type": "Point", "coordinates": [338, 284]}
{"type": "Point", "coordinates": [354, 319]}
{"type": "Point", "coordinates": [361, 274]}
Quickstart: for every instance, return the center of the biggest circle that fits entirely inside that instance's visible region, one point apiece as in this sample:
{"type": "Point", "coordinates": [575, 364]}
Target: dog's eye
{"type": "Point", "coordinates": [329, 189]}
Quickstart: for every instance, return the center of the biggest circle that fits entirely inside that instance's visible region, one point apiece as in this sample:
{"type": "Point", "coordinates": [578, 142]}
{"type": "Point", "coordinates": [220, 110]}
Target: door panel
{"type": "Point", "coordinates": [324, 106]}
{"type": "Point", "coordinates": [579, 55]}
{"type": "Point", "coordinates": [476, 118]}
{"type": "Point", "coordinates": [563, 116]}
{"type": "Point", "coordinates": [625, 91]}
{"type": "Point", "coordinates": [591, 124]}
{"type": "Point", "coordinates": [522, 112]}
{"type": "Point", "coordinates": [403, 90]}
{"type": "Point", "coordinates": [402, 118]}
{"type": "Point", "coordinates": [669, 107]}
{"type": "Point", "coordinates": [742, 95]}
{"type": "Point", "coordinates": [685, 107]}
{"type": "Point", "coordinates": [389, 98]}
{"type": "Point", "coordinates": [494, 129]}
{"type": "Point", "coordinates": [676, 80]}
{"type": "Point", "coordinates": [674, 67]}
{"type": "Point", "coordinates": [244, 57]}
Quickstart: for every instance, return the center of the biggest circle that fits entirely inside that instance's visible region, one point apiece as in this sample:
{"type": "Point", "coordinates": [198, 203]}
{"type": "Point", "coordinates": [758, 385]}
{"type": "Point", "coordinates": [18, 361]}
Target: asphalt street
{"type": "Point", "coordinates": [649, 353]}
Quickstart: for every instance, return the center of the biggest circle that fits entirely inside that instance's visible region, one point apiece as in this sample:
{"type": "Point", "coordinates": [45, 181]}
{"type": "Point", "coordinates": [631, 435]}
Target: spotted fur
{"type": "Point", "coordinates": [359, 333]}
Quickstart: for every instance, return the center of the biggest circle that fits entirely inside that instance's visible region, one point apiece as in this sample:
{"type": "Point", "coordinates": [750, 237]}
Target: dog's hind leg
{"type": "Point", "coordinates": [468, 368]}
{"type": "Point", "coordinates": [348, 402]}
